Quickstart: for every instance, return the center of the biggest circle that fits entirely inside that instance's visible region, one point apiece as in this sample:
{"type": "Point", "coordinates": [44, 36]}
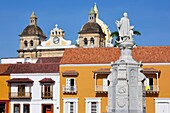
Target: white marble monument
{"type": "Point", "coordinates": [126, 93]}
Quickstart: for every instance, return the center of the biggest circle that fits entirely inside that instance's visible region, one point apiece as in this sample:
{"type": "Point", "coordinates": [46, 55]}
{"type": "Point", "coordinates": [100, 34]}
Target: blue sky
{"type": "Point", "coordinates": [150, 17]}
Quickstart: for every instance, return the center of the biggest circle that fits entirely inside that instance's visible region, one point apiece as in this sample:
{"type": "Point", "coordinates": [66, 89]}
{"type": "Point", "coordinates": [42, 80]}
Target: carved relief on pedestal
{"type": "Point", "coordinates": [121, 102]}
{"type": "Point", "coordinates": [122, 90]}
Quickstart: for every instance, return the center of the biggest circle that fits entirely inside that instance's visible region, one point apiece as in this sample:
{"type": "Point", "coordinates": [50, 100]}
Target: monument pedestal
{"type": "Point", "coordinates": [126, 92]}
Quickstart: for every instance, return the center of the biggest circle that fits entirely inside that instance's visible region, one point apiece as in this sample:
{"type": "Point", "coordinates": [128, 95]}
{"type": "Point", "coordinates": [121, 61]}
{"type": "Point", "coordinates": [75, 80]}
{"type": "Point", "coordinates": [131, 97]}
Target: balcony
{"type": "Point", "coordinates": [152, 89]}
{"type": "Point", "coordinates": [101, 89]}
{"type": "Point", "coordinates": [20, 95]}
{"type": "Point", "coordinates": [71, 89]}
{"type": "Point", "coordinates": [47, 95]}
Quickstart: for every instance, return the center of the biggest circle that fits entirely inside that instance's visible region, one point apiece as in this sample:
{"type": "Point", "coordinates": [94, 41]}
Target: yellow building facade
{"type": "Point", "coordinates": [4, 100]}
{"type": "Point", "coordinates": [84, 72]}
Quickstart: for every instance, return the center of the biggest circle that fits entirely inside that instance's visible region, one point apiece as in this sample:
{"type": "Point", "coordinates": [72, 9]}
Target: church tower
{"type": "Point", "coordinates": [30, 38]}
{"type": "Point", "coordinates": [91, 34]}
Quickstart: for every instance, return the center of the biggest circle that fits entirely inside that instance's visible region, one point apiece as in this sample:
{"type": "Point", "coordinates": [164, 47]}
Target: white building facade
{"type": "Point", "coordinates": [34, 92]}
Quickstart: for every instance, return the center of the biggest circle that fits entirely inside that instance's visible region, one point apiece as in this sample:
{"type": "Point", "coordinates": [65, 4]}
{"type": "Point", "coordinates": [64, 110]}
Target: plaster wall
{"type": "Point", "coordinates": [36, 101]}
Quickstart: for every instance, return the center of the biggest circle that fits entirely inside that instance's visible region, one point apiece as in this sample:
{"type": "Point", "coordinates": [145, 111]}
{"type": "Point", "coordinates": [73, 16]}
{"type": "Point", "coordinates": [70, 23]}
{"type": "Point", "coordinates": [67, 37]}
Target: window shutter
{"type": "Point", "coordinates": [75, 84]}
{"type": "Point", "coordinates": [105, 84]}
{"type": "Point", "coordinates": [68, 84]}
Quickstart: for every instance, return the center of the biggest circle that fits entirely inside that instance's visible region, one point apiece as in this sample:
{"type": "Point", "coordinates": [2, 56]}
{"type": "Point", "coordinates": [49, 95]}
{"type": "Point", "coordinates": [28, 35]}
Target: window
{"type": "Point", "coordinates": [47, 91]}
{"type": "Point", "coordinates": [16, 108]}
{"type": "Point", "coordinates": [39, 43]}
{"type": "Point", "coordinates": [25, 44]}
{"type": "Point", "coordinates": [92, 41]}
{"type": "Point", "coordinates": [47, 88]}
{"type": "Point", "coordinates": [85, 41]}
{"type": "Point", "coordinates": [93, 105]}
{"type": "Point", "coordinates": [31, 43]}
{"type": "Point", "coordinates": [149, 84]}
{"type": "Point", "coordinates": [71, 85]}
{"type": "Point", "coordinates": [26, 108]}
{"type": "Point", "coordinates": [21, 90]}
{"type": "Point", "coordinates": [70, 105]}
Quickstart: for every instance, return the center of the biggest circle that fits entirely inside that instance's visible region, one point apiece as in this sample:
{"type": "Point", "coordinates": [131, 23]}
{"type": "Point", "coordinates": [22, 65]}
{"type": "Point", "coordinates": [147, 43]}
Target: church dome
{"type": "Point", "coordinates": [33, 30]}
{"type": "Point", "coordinates": [91, 27]}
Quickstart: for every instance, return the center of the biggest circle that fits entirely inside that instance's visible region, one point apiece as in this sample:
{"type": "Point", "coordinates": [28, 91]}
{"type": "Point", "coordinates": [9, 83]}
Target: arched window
{"type": "Point", "coordinates": [25, 44]}
{"type": "Point", "coordinates": [31, 43]}
{"type": "Point", "coordinates": [85, 41]}
{"type": "Point", "coordinates": [92, 41]}
{"type": "Point", "coordinates": [39, 42]}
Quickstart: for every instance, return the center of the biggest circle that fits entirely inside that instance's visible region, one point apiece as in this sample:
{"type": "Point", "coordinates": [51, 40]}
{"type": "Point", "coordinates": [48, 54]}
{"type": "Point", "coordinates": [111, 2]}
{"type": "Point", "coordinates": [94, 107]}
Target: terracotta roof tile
{"type": "Point", "coordinates": [34, 68]}
{"type": "Point", "coordinates": [20, 80]}
{"type": "Point", "coordinates": [47, 80]}
{"type": "Point", "coordinates": [146, 54]}
{"type": "Point", "coordinates": [49, 60]}
{"type": "Point", "coordinates": [4, 68]}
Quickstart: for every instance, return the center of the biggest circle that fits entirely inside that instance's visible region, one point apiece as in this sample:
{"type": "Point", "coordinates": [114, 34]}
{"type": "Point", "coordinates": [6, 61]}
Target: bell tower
{"type": "Point", "coordinates": [33, 19]}
{"type": "Point", "coordinates": [30, 38]}
{"type": "Point", "coordinates": [92, 15]}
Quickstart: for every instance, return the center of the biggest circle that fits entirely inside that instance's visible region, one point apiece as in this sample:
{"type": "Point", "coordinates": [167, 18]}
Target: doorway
{"type": "Point", "coordinates": [2, 108]}
{"type": "Point", "coordinates": [47, 108]}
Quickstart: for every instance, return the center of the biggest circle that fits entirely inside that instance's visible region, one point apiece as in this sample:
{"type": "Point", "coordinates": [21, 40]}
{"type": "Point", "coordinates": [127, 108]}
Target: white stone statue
{"type": "Point", "coordinates": [124, 26]}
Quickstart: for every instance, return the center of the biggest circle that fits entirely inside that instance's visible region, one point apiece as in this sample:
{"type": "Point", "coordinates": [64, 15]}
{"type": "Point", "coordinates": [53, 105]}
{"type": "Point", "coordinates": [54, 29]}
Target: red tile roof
{"type": "Point", "coordinates": [4, 68]}
{"type": "Point", "coordinates": [20, 80]}
{"type": "Point", "coordinates": [146, 54]}
{"type": "Point", "coordinates": [33, 68]}
{"type": "Point", "coordinates": [49, 60]}
{"type": "Point", "coordinates": [47, 80]}
{"type": "Point", "coordinates": [69, 72]}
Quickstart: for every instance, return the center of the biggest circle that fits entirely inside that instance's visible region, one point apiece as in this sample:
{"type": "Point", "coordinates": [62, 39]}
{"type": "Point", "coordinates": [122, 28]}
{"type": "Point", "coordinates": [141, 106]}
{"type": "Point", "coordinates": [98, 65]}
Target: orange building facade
{"type": "Point", "coordinates": [4, 100]}
{"type": "Point", "coordinates": [84, 74]}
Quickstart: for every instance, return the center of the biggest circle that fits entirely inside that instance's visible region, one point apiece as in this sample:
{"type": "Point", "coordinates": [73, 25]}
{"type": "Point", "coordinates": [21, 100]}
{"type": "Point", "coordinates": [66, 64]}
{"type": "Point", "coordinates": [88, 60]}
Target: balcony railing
{"type": "Point", "coordinates": [152, 88]}
{"type": "Point", "coordinates": [70, 89]}
{"type": "Point", "coordinates": [47, 95]}
{"type": "Point", "coordinates": [20, 95]}
{"type": "Point", "coordinates": [100, 89]}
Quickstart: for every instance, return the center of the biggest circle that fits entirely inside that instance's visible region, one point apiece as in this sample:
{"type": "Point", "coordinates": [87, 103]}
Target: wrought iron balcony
{"type": "Point", "coordinates": [47, 95]}
{"type": "Point", "coordinates": [70, 89]}
{"type": "Point", "coordinates": [101, 89]}
{"type": "Point", "coordinates": [20, 95]}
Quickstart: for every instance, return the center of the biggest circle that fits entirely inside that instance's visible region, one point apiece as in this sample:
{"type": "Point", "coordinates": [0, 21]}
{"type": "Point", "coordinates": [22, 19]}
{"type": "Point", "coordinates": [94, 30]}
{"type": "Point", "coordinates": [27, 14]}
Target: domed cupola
{"type": "Point", "coordinates": [30, 38]}
{"type": "Point", "coordinates": [33, 29]}
{"type": "Point", "coordinates": [91, 34]}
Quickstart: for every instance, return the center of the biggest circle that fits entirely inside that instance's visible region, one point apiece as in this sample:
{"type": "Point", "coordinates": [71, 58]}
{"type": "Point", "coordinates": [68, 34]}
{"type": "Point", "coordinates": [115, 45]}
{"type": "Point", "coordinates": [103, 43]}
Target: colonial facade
{"type": "Point", "coordinates": [34, 88]}
{"type": "Point", "coordinates": [84, 78]}
{"type": "Point", "coordinates": [4, 100]}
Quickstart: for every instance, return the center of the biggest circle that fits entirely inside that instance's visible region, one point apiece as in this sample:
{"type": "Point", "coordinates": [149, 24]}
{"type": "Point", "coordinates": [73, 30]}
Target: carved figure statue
{"type": "Point", "coordinates": [124, 26]}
